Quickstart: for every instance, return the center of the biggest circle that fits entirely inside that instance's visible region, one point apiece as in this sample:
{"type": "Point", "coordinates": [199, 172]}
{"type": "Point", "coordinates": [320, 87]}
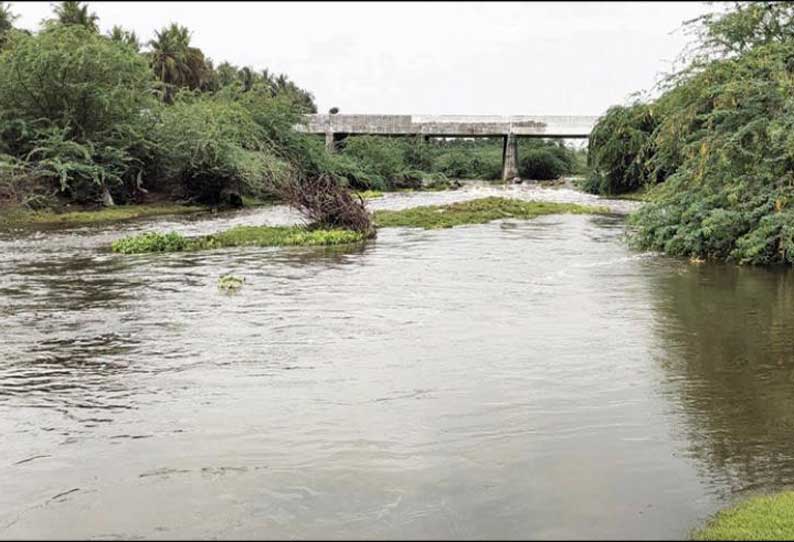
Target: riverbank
{"type": "Point", "coordinates": [766, 517]}
{"type": "Point", "coordinates": [18, 217]}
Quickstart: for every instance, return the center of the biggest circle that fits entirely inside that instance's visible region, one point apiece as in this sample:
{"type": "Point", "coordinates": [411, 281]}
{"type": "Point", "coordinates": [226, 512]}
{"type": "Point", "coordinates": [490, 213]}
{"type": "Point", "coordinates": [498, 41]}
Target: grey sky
{"type": "Point", "coordinates": [430, 58]}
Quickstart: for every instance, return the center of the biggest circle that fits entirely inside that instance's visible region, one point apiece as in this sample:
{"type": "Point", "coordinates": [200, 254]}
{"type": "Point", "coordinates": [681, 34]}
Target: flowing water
{"type": "Point", "coordinates": [508, 380]}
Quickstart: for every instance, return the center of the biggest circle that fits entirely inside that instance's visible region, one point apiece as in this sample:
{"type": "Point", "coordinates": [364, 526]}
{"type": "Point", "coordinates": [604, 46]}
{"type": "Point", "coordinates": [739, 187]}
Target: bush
{"type": "Point", "coordinates": [77, 102]}
{"type": "Point", "coordinates": [477, 161]}
{"type": "Point", "coordinates": [216, 151]}
{"type": "Point", "coordinates": [541, 165]}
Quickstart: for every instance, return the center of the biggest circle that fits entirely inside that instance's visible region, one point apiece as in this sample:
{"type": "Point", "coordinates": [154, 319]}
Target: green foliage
{"type": "Point", "coordinates": [262, 236]}
{"type": "Point", "coordinates": [150, 242]}
{"type": "Point", "coordinates": [476, 211]}
{"type": "Point", "coordinates": [720, 139]}
{"type": "Point", "coordinates": [727, 139]}
{"type": "Point", "coordinates": [77, 106]}
{"type": "Point", "coordinates": [175, 63]}
{"type": "Point", "coordinates": [73, 79]}
{"type": "Point", "coordinates": [127, 37]}
{"type": "Point", "coordinates": [481, 161]}
{"type": "Point", "coordinates": [216, 150]}
{"type": "Point", "coordinates": [620, 148]}
{"type": "Point", "coordinates": [743, 26]}
{"type": "Point", "coordinates": [545, 160]}
{"type": "Point", "coordinates": [70, 12]}
{"type": "Point", "coordinates": [765, 517]}
{"type": "Point", "coordinates": [7, 19]}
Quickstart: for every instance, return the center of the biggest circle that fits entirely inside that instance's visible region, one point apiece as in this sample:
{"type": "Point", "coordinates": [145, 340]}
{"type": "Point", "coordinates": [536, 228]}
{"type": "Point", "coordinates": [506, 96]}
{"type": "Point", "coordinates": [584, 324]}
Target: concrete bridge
{"type": "Point", "coordinates": [337, 127]}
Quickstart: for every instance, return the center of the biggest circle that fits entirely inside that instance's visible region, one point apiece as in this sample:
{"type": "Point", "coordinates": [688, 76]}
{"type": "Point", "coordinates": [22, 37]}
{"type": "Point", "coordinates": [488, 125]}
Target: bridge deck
{"type": "Point", "coordinates": [451, 125]}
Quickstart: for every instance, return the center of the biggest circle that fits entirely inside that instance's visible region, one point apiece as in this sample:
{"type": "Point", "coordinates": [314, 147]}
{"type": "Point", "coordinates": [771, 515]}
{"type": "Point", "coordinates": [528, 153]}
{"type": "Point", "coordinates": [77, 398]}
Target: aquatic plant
{"type": "Point", "coordinates": [264, 236]}
{"type": "Point", "coordinates": [476, 211]}
{"type": "Point", "coordinates": [230, 283]}
{"type": "Point", "coordinates": [150, 242]}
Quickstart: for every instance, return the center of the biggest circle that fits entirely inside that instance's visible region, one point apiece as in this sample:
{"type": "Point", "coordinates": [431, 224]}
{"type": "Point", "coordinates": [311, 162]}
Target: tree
{"type": "Point", "coordinates": [76, 13]}
{"type": "Point", "coordinates": [7, 18]}
{"type": "Point", "coordinates": [737, 28]}
{"type": "Point", "coordinates": [175, 63]}
{"type": "Point", "coordinates": [80, 105]}
{"type": "Point", "coordinates": [127, 37]}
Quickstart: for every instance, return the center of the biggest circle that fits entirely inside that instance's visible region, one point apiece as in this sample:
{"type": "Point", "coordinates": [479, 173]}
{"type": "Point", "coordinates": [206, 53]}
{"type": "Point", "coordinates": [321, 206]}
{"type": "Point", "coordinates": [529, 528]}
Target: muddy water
{"type": "Point", "coordinates": [508, 380]}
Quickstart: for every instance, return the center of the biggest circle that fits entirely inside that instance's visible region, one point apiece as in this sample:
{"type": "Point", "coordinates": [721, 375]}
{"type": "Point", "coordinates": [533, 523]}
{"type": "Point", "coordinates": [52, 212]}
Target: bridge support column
{"type": "Point", "coordinates": [510, 158]}
{"type": "Point", "coordinates": [334, 141]}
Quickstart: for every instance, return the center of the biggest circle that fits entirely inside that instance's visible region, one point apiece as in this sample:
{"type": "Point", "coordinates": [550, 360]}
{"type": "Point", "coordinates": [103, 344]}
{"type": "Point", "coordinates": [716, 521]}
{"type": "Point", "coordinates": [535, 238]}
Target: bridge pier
{"type": "Point", "coordinates": [334, 141]}
{"type": "Point", "coordinates": [510, 157]}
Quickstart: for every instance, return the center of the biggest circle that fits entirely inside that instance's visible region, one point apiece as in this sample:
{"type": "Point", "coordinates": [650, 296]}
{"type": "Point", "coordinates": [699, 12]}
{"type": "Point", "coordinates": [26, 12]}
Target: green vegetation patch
{"type": "Point", "coordinates": [263, 236]}
{"type": "Point", "coordinates": [230, 283]}
{"type": "Point", "coordinates": [20, 217]}
{"type": "Point", "coordinates": [477, 211]}
{"type": "Point", "coordinates": [769, 517]}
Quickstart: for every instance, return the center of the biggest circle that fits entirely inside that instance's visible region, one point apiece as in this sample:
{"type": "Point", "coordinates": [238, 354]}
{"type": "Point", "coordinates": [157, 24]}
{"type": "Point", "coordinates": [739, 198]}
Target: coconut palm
{"type": "Point", "coordinates": [175, 62]}
{"type": "Point", "coordinates": [70, 12]}
{"type": "Point", "coordinates": [127, 37]}
{"type": "Point", "coordinates": [6, 18]}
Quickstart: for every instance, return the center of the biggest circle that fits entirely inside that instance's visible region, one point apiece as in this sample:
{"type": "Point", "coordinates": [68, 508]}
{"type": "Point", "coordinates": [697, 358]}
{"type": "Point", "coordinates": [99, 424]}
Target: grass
{"type": "Point", "coordinates": [261, 236]}
{"type": "Point", "coordinates": [477, 211]}
{"type": "Point", "coordinates": [21, 217]}
{"type": "Point", "coordinates": [768, 517]}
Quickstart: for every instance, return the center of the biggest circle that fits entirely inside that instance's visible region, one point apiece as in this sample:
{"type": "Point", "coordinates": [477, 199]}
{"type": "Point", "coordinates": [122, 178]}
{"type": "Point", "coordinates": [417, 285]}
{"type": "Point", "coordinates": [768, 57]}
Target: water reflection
{"type": "Point", "coordinates": [728, 349]}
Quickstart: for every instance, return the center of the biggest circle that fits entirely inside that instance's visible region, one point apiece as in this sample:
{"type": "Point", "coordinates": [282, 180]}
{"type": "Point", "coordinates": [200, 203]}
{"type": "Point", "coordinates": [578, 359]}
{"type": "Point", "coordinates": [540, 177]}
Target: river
{"type": "Point", "coordinates": [517, 379]}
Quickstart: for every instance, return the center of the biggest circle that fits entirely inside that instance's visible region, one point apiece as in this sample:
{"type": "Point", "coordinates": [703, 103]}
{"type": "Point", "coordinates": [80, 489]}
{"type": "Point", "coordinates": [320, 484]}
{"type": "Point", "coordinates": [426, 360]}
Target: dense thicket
{"type": "Point", "coordinates": [721, 137]}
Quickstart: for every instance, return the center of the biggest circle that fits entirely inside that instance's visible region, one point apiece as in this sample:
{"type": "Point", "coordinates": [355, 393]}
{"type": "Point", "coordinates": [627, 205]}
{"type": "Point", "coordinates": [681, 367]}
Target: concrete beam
{"type": "Point", "coordinates": [451, 125]}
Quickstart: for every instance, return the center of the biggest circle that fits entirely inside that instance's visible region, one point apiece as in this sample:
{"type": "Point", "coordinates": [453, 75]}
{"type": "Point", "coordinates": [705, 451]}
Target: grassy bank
{"type": "Point", "coordinates": [477, 211]}
{"type": "Point", "coordinates": [262, 236]}
{"type": "Point", "coordinates": [23, 217]}
{"type": "Point", "coordinates": [769, 517]}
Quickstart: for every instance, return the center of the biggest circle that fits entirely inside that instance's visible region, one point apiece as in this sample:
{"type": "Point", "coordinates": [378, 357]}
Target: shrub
{"type": "Point", "coordinates": [216, 151]}
{"type": "Point", "coordinates": [542, 165]}
{"type": "Point", "coordinates": [79, 103]}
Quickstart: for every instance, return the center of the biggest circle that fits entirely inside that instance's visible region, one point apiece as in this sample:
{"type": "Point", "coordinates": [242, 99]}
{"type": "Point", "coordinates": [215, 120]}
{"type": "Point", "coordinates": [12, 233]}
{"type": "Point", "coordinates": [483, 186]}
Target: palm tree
{"type": "Point", "coordinates": [175, 62]}
{"type": "Point", "coordinates": [127, 37]}
{"type": "Point", "coordinates": [6, 18]}
{"type": "Point", "coordinates": [6, 22]}
{"type": "Point", "coordinates": [70, 12]}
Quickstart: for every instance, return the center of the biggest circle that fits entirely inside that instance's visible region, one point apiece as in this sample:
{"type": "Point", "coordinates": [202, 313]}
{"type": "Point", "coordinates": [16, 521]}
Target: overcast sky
{"type": "Point", "coordinates": [430, 58]}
